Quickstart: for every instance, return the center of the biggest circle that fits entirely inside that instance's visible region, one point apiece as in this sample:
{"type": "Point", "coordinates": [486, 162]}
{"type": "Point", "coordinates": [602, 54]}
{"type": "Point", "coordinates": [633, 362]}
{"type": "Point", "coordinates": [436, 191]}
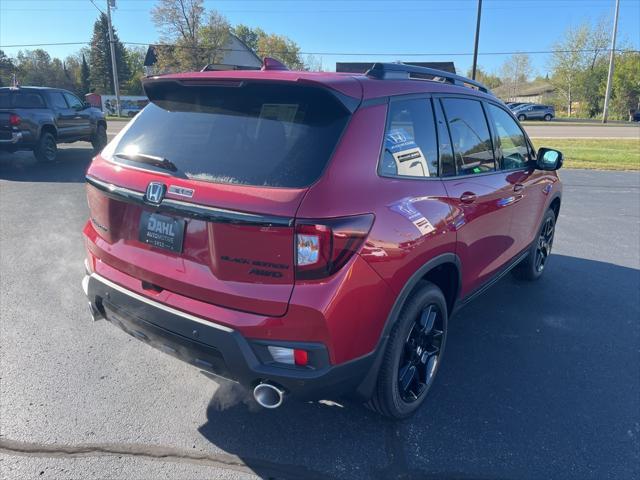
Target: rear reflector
{"type": "Point", "coordinates": [289, 356]}
{"type": "Point", "coordinates": [324, 246]}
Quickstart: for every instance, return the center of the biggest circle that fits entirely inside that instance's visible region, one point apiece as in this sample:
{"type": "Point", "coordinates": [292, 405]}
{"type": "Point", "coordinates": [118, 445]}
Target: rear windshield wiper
{"type": "Point", "coordinates": [152, 160]}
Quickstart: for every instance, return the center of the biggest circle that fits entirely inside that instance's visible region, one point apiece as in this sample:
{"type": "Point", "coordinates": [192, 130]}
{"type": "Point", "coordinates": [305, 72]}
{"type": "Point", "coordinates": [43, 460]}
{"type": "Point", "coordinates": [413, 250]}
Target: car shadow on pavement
{"type": "Point", "coordinates": [539, 380]}
{"type": "Point", "coordinates": [70, 166]}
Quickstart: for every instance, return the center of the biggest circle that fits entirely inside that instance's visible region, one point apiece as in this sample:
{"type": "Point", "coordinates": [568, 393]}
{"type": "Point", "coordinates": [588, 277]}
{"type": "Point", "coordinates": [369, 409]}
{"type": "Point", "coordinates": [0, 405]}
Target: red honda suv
{"type": "Point", "coordinates": [311, 234]}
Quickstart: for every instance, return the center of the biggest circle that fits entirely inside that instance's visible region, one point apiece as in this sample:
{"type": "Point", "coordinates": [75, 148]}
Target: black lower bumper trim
{"type": "Point", "coordinates": [218, 349]}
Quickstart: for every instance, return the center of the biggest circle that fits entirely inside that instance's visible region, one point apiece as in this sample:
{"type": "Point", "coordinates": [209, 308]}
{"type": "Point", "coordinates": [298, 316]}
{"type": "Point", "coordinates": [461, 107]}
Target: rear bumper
{"type": "Point", "coordinates": [219, 349]}
{"type": "Point", "coordinates": [14, 138]}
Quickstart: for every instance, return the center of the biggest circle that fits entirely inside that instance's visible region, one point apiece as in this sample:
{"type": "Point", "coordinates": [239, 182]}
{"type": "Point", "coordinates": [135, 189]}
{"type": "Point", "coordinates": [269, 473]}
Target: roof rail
{"type": "Point", "coordinates": [402, 71]}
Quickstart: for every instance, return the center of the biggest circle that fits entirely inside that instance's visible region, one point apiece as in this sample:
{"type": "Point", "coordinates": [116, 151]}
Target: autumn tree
{"type": "Point", "coordinates": [192, 38]}
{"type": "Point", "coordinates": [279, 47]}
{"type": "Point", "coordinates": [515, 73]}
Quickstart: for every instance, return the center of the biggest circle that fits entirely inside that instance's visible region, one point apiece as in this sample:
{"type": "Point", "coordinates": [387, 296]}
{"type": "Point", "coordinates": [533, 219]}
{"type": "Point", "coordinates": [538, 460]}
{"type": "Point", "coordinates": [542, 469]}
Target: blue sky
{"type": "Point", "coordinates": [409, 30]}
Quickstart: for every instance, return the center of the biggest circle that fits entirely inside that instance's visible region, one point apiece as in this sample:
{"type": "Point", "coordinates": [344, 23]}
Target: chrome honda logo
{"type": "Point", "coordinates": [155, 192]}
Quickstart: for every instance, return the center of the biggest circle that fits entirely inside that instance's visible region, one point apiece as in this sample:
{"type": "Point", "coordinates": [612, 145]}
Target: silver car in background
{"type": "Point", "coordinates": [534, 112]}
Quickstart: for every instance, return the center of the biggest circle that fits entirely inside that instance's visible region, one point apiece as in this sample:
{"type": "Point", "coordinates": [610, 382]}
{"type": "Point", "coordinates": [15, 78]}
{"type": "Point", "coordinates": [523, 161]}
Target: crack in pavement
{"type": "Point", "coordinates": [257, 467]}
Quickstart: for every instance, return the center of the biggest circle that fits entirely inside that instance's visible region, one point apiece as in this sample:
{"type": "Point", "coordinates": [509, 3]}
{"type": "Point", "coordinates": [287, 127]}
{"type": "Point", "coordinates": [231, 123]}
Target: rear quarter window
{"type": "Point", "coordinates": [410, 141]}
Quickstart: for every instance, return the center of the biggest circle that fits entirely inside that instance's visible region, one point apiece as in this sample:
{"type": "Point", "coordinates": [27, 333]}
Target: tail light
{"type": "Point", "coordinates": [14, 120]}
{"type": "Point", "coordinates": [324, 246]}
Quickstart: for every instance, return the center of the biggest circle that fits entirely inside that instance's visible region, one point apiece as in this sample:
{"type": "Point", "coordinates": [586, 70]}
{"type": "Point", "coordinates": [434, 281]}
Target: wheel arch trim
{"type": "Point", "coordinates": [365, 389]}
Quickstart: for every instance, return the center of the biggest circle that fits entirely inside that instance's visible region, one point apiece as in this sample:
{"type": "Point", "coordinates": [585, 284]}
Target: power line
{"type": "Point", "coordinates": [97, 7]}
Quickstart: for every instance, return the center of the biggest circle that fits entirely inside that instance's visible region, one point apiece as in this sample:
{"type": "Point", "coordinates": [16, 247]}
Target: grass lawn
{"type": "Point", "coordinates": [596, 153]}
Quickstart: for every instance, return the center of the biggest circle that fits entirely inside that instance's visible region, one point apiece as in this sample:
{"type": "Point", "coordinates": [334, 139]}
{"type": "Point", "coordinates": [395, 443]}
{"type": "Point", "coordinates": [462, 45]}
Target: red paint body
{"type": "Point", "coordinates": [347, 311]}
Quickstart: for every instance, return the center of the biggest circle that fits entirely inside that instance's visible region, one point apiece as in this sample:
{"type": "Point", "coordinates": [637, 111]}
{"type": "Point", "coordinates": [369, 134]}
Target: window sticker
{"type": "Point", "coordinates": [407, 154]}
{"type": "Point", "coordinates": [405, 208]}
{"type": "Point", "coordinates": [282, 112]}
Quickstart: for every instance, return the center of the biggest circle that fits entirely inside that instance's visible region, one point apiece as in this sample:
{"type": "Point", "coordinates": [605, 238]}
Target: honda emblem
{"type": "Point", "coordinates": [155, 192]}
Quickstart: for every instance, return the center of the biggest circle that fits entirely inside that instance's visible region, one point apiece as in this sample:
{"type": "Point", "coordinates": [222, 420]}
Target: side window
{"type": "Point", "coordinates": [58, 100]}
{"type": "Point", "coordinates": [410, 146]}
{"type": "Point", "coordinates": [28, 100]}
{"type": "Point", "coordinates": [73, 101]}
{"type": "Point", "coordinates": [472, 145]}
{"type": "Point", "coordinates": [510, 139]}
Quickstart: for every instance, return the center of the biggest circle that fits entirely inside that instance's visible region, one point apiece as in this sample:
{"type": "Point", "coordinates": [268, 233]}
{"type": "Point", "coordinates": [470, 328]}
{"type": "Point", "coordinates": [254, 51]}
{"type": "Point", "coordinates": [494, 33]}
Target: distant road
{"type": "Point", "coordinates": [583, 131]}
{"type": "Point", "coordinates": [553, 130]}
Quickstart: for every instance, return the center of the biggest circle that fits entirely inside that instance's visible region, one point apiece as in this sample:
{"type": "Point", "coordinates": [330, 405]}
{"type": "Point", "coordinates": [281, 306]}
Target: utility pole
{"type": "Point", "coordinates": [607, 95]}
{"type": "Point", "coordinates": [114, 65]}
{"type": "Point", "coordinates": [475, 48]}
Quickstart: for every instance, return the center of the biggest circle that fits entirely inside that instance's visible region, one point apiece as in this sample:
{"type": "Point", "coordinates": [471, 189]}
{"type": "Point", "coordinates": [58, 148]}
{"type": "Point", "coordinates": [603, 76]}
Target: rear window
{"type": "Point", "coordinates": [10, 99]}
{"type": "Point", "coordinates": [252, 134]}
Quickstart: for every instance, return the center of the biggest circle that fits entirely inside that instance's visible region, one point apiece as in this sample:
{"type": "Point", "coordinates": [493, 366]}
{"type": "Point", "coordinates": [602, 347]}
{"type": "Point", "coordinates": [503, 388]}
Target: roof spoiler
{"type": "Point", "coordinates": [402, 71]}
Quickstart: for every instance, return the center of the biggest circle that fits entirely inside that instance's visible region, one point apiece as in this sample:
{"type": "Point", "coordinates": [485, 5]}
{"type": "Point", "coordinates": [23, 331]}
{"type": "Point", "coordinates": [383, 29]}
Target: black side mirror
{"type": "Point", "coordinates": [549, 159]}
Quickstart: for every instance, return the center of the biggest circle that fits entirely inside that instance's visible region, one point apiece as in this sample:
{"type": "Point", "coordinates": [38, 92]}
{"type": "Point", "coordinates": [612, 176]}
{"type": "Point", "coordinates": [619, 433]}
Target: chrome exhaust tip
{"type": "Point", "coordinates": [268, 396]}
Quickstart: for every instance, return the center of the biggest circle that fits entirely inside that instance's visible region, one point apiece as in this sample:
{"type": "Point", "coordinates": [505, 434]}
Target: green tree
{"type": "Point", "coordinates": [488, 79]}
{"type": "Point", "coordinates": [626, 85]}
{"type": "Point", "coordinates": [578, 66]}
{"type": "Point", "coordinates": [135, 60]}
{"type": "Point", "coordinates": [7, 70]}
{"type": "Point", "coordinates": [34, 67]}
{"type": "Point", "coordinates": [101, 72]}
{"type": "Point", "coordinates": [85, 76]}
{"type": "Point", "coordinates": [248, 35]}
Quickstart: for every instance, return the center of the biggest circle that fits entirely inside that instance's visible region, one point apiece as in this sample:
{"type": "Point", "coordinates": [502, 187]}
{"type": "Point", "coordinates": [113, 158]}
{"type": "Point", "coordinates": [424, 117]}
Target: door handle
{"type": "Point", "coordinates": [518, 187]}
{"type": "Point", "coordinates": [468, 197]}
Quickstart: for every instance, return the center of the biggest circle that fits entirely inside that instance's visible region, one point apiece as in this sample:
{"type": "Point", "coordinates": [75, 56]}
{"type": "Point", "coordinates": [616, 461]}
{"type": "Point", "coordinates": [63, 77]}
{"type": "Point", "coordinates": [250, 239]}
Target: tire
{"type": "Point", "coordinates": [547, 117]}
{"type": "Point", "coordinates": [46, 149]}
{"type": "Point", "coordinates": [99, 140]}
{"type": "Point", "coordinates": [522, 118]}
{"type": "Point", "coordinates": [412, 355]}
{"type": "Point", "coordinates": [533, 266]}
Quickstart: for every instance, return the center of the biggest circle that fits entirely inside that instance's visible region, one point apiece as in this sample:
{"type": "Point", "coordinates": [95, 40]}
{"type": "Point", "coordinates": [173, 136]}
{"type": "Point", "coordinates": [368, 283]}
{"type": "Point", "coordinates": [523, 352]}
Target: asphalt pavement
{"type": "Point", "coordinates": [539, 380]}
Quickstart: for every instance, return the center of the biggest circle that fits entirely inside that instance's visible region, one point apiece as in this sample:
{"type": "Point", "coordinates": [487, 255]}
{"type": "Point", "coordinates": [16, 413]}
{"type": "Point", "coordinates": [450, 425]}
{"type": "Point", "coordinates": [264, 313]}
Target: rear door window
{"type": "Point", "coordinates": [410, 141]}
{"type": "Point", "coordinates": [472, 145]}
{"type": "Point", "coordinates": [251, 134]}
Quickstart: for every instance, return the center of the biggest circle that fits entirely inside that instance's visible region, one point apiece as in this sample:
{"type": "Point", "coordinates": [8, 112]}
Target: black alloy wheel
{"type": "Point", "coordinates": [421, 354]}
{"type": "Point", "coordinates": [545, 242]}
{"type": "Point", "coordinates": [412, 354]}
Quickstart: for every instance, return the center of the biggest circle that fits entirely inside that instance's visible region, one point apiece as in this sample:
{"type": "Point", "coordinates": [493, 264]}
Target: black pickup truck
{"type": "Point", "coordinates": [39, 118]}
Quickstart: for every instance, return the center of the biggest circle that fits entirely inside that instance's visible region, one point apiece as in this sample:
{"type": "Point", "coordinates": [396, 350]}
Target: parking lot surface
{"type": "Point", "coordinates": [539, 380]}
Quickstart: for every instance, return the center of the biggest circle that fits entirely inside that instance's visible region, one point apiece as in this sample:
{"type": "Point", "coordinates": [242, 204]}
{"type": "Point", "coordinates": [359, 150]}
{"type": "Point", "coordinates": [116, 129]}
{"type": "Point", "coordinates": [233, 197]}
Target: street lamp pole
{"type": "Point", "coordinates": [475, 48]}
{"type": "Point", "coordinates": [607, 95]}
{"type": "Point", "coordinates": [114, 65]}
